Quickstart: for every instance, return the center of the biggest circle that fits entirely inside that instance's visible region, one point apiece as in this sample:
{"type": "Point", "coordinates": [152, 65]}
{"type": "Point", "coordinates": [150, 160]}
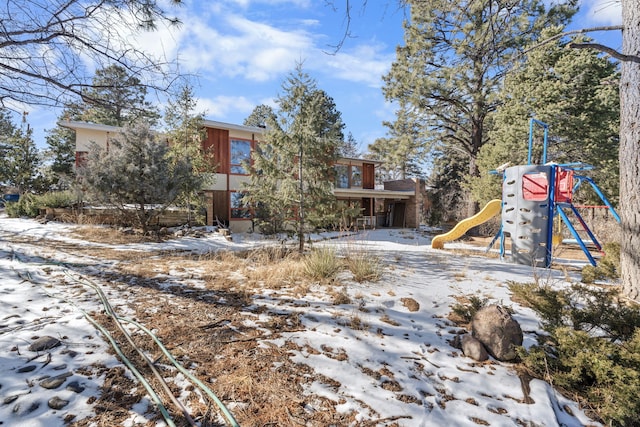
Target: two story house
{"type": "Point", "coordinates": [398, 203]}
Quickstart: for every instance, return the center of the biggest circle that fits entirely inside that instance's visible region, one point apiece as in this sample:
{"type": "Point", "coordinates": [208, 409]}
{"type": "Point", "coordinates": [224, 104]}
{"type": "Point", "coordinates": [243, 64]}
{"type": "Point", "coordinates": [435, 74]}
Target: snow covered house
{"type": "Point", "coordinates": [398, 203]}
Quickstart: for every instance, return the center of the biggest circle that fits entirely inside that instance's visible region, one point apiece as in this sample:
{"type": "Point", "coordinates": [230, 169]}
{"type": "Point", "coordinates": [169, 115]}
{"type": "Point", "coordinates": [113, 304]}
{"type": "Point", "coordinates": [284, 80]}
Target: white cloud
{"type": "Point", "coordinates": [364, 64]}
{"type": "Point", "coordinates": [602, 12]}
{"type": "Point", "coordinates": [222, 106]}
{"type": "Point", "coordinates": [240, 47]}
{"type": "Point", "coordinates": [247, 3]}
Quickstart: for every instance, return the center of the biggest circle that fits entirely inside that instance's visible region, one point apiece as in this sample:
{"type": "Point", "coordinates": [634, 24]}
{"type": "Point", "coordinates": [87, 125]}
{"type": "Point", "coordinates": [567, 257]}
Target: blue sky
{"type": "Point", "coordinates": [241, 50]}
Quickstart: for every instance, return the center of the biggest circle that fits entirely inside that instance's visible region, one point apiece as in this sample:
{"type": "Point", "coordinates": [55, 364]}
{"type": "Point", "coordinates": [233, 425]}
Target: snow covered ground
{"type": "Point", "coordinates": [398, 367]}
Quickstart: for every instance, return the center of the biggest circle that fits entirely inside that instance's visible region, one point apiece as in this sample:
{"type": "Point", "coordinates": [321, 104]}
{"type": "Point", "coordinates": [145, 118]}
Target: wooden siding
{"type": "Point", "coordinates": [221, 206]}
{"type": "Point", "coordinates": [217, 142]}
{"type": "Point", "coordinates": [368, 176]}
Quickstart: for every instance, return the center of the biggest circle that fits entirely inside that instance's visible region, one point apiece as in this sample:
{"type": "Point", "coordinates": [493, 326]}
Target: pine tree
{"type": "Point", "coordinates": [446, 190]}
{"type": "Point", "coordinates": [403, 152]}
{"type": "Point", "coordinates": [349, 148]}
{"type": "Point", "coordinates": [138, 171]}
{"type": "Point", "coordinates": [455, 58]}
{"type": "Point", "coordinates": [61, 143]}
{"type": "Point", "coordinates": [260, 116]}
{"type": "Point", "coordinates": [8, 132]}
{"type": "Point", "coordinates": [20, 163]}
{"type": "Point", "coordinates": [576, 93]}
{"type": "Point", "coordinates": [116, 98]}
{"type": "Point", "coordinates": [292, 173]}
{"type": "Point", "coordinates": [185, 133]}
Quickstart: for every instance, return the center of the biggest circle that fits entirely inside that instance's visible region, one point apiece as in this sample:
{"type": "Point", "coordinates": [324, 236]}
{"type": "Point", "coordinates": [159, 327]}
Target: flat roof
{"type": "Point", "coordinates": [72, 124]}
{"type": "Point", "coordinates": [378, 194]}
{"type": "Point", "coordinates": [231, 126]}
{"type": "Point", "coordinates": [91, 126]}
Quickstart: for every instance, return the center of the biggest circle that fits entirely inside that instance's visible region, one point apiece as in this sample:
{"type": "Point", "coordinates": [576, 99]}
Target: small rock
{"type": "Point", "coordinates": [27, 368]}
{"type": "Point", "coordinates": [10, 399]}
{"type": "Point", "coordinates": [75, 387]}
{"type": "Point", "coordinates": [57, 403]}
{"type": "Point", "coordinates": [44, 343]}
{"type": "Point", "coordinates": [55, 382]}
{"type": "Point", "coordinates": [473, 348]}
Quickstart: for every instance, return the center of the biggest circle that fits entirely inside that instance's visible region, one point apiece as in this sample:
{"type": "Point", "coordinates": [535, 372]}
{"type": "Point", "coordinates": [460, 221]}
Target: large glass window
{"type": "Point", "coordinates": [342, 176]}
{"type": "Point", "coordinates": [240, 154]}
{"type": "Point", "coordinates": [239, 209]}
{"type": "Point", "coordinates": [356, 176]}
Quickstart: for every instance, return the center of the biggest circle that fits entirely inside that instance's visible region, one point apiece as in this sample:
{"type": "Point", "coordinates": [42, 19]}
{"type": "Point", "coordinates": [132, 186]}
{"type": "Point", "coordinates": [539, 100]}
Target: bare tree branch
{"type": "Point", "coordinates": [606, 49]}
{"type": "Point", "coordinates": [569, 33]}
{"type": "Point", "coordinates": [49, 49]}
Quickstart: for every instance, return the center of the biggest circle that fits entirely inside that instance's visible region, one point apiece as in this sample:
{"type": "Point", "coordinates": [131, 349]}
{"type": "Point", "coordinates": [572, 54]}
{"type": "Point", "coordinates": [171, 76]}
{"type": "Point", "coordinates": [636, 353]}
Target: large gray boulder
{"type": "Point", "coordinates": [500, 333]}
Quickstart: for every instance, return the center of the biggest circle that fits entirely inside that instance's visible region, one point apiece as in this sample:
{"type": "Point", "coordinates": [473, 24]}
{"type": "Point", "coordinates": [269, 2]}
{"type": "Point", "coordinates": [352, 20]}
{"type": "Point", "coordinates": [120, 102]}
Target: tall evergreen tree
{"type": "Point", "coordinates": [454, 60]}
{"type": "Point", "coordinates": [20, 162]}
{"type": "Point", "coordinates": [61, 142]}
{"type": "Point", "coordinates": [292, 173]}
{"type": "Point", "coordinates": [446, 189]}
{"type": "Point", "coordinates": [185, 128]}
{"type": "Point", "coordinates": [576, 93]}
{"type": "Point", "coordinates": [403, 152]}
{"type": "Point", "coordinates": [138, 171]}
{"type": "Point", "coordinates": [185, 133]}
{"type": "Point", "coordinates": [349, 147]}
{"type": "Point", "coordinates": [260, 116]}
{"type": "Point", "coordinates": [117, 98]}
{"type": "Point", "coordinates": [8, 132]}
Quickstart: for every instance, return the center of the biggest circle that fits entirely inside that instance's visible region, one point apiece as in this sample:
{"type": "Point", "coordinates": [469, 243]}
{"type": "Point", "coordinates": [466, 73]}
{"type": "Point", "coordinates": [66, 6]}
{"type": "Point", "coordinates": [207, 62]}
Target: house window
{"type": "Point", "coordinates": [240, 155]}
{"type": "Point", "coordinates": [342, 176]}
{"type": "Point", "coordinates": [356, 176]}
{"type": "Point", "coordinates": [82, 157]}
{"type": "Point", "coordinates": [239, 209]}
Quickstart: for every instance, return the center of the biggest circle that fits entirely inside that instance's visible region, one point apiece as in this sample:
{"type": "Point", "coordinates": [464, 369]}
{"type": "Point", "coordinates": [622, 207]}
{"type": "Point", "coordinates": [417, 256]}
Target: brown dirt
{"type": "Point", "coordinates": [206, 330]}
{"type": "Point", "coordinates": [564, 251]}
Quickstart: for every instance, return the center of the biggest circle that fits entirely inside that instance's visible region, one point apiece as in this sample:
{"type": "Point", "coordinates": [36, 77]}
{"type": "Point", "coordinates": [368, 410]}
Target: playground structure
{"type": "Point", "coordinates": [533, 196]}
{"type": "Point", "coordinates": [489, 211]}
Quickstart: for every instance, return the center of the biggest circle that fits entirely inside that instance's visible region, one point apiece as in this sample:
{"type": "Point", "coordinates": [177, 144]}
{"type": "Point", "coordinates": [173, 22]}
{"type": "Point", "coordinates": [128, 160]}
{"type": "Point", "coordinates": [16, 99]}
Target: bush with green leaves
{"type": "Point", "coordinates": [25, 206]}
{"type": "Point", "coordinates": [591, 348]}
{"type": "Point", "coordinates": [30, 204]}
{"type": "Point", "coordinates": [57, 199]}
{"type": "Point", "coordinates": [608, 267]}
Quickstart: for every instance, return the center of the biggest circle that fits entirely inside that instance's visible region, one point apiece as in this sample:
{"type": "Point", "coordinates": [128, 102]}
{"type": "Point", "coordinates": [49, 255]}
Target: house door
{"type": "Point", "coordinates": [398, 215]}
{"type": "Point", "coordinates": [368, 176]}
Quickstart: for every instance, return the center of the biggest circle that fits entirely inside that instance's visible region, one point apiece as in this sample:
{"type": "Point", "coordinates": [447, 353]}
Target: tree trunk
{"type": "Point", "coordinates": [630, 152]}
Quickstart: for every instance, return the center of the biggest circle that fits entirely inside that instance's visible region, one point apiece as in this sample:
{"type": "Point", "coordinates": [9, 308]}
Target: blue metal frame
{"type": "Point", "coordinates": [546, 134]}
{"type": "Point", "coordinates": [575, 234]}
{"type": "Point", "coordinates": [550, 214]}
{"type": "Point", "coordinates": [599, 192]}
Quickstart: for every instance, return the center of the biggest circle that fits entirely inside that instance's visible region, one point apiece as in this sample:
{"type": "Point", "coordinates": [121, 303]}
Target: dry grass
{"type": "Point", "coordinates": [203, 308]}
{"type": "Point", "coordinates": [208, 331]}
{"type": "Point", "coordinates": [386, 319]}
{"type": "Point", "coordinates": [322, 264]}
{"type": "Point", "coordinates": [109, 235]}
{"type": "Point", "coordinates": [341, 297]}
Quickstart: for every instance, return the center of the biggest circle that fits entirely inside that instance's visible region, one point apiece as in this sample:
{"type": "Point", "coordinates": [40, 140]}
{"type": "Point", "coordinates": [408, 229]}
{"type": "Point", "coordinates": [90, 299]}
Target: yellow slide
{"type": "Point", "coordinates": [489, 211]}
